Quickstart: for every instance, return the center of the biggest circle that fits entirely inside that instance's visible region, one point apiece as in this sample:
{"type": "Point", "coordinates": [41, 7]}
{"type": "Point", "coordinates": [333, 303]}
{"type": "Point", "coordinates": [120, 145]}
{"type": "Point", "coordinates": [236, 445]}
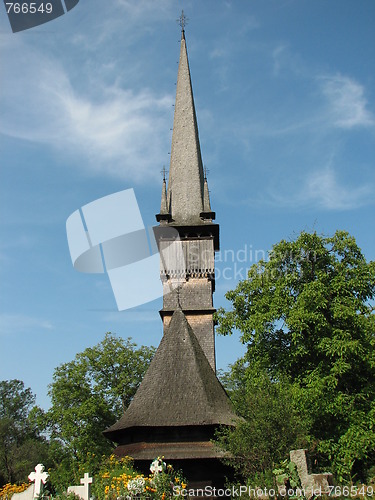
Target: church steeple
{"type": "Point", "coordinates": [186, 180]}
{"type": "Point", "coordinates": [185, 206]}
{"type": "Point", "coordinates": [164, 209]}
{"type": "Point", "coordinates": [181, 403]}
{"type": "Point", "coordinates": [207, 213]}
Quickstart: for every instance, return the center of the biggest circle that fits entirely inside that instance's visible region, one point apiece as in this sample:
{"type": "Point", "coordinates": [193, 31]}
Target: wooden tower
{"type": "Point", "coordinates": [180, 402]}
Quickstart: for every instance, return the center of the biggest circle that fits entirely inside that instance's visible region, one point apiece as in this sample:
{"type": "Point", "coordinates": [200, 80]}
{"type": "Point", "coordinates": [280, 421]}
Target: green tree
{"type": "Point", "coordinates": [307, 317]}
{"type": "Point", "coordinates": [88, 395]}
{"type": "Point", "coordinates": [21, 445]}
{"type": "Point", "coordinates": [271, 425]}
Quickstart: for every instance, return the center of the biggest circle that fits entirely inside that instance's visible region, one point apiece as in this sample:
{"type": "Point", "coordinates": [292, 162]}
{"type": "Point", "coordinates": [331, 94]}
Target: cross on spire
{"type": "Point", "coordinates": [206, 171]}
{"type": "Point", "coordinates": [38, 477]}
{"type": "Point", "coordinates": [164, 172]}
{"type": "Point", "coordinates": [182, 21]}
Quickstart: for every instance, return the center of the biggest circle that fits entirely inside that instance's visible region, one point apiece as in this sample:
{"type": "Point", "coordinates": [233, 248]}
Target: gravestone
{"type": "Point", "coordinates": [84, 491]}
{"type": "Point", "coordinates": [38, 477]}
{"type": "Point", "coordinates": [25, 495]}
{"type": "Point", "coordinates": [312, 484]}
{"type": "Point", "coordinates": [33, 491]}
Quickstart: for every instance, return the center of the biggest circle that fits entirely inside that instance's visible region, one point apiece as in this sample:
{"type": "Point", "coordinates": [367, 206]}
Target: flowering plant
{"type": "Point", "coordinates": [118, 480]}
{"type": "Point", "coordinates": [8, 490]}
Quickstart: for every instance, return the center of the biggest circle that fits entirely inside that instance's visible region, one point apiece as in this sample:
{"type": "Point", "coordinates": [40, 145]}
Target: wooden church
{"type": "Point", "coordinates": [180, 402]}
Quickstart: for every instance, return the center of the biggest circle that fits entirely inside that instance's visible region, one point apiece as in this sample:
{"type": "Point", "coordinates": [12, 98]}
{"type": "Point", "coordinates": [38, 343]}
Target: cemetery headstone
{"type": "Point", "coordinates": [37, 477]}
{"type": "Point", "coordinates": [312, 484]}
{"type": "Point", "coordinates": [84, 491]}
{"type": "Point", "coordinates": [25, 495]}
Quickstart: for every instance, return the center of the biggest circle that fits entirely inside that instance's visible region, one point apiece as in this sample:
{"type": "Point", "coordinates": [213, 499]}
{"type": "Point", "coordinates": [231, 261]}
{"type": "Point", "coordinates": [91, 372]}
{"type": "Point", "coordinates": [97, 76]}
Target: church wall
{"type": "Point", "coordinates": [192, 294]}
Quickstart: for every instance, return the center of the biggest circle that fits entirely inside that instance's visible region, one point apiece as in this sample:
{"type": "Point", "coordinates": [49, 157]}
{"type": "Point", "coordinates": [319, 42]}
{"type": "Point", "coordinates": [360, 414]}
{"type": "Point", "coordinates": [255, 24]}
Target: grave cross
{"type": "Point", "coordinates": [86, 481]}
{"type": "Point", "coordinates": [38, 477]}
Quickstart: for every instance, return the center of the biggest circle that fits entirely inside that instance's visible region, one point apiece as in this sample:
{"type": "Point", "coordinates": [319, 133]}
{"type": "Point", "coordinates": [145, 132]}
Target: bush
{"type": "Point", "coordinates": [118, 478]}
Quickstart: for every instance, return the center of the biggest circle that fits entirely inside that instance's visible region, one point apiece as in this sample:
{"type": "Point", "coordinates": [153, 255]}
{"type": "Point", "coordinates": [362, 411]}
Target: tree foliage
{"type": "Point", "coordinates": [88, 395]}
{"type": "Point", "coordinates": [271, 425]}
{"type": "Point", "coordinates": [307, 317]}
{"type": "Point", "coordinates": [21, 444]}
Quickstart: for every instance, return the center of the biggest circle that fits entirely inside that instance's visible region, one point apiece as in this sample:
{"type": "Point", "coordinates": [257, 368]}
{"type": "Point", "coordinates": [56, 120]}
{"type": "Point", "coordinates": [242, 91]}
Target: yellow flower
{"type": "Point", "coordinates": [183, 485]}
{"type": "Point", "coordinates": [176, 479]}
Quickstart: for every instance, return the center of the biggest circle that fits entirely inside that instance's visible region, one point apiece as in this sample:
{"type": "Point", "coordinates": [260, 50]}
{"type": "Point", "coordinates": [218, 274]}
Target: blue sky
{"type": "Point", "coordinates": [285, 99]}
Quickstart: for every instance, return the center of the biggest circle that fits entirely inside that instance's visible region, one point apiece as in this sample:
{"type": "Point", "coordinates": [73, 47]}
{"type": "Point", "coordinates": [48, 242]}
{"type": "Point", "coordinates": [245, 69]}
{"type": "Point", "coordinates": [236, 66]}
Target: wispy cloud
{"type": "Point", "coordinates": [116, 130]}
{"type": "Point", "coordinates": [347, 104]}
{"type": "Point", "coordinates": [311, 117]}
{"type": "Point", "coordinates": [219, 52]}
{"type": "Point", "coordinates": [143, 8]}
{"type": "Point", "coordinates": [282, 59]}
{"type": "Point", "coordinates": [133, 316]}
{"type": "Point", "coordinates": [324, 190]}
{"type": "Point", "coordinates": [11, 324]}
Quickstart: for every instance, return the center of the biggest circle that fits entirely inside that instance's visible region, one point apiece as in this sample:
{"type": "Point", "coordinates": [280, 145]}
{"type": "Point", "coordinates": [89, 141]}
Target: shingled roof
{"type": "Point", "coordinates": [186, 179]}
{"type": "Point", "coordinates": [179, 388]}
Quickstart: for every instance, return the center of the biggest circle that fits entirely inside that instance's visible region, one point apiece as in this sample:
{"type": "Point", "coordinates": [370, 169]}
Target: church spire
{"type": "Point", "coordinates": [186, 179]}
{"type": "Point", "coordinates": [164, 214]}
{"type": "Point", "coordinates": [207, 213]}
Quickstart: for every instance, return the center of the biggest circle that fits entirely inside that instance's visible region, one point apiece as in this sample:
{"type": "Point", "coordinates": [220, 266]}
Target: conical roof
{"type": "Point", "coordinates": [163, 205]}
{"type": "Point", "coordinates": [179, 388]}
{"type": "Point", "coordinates": [206, 197]}
{"type": "Point", "coordinates": [185, 185]}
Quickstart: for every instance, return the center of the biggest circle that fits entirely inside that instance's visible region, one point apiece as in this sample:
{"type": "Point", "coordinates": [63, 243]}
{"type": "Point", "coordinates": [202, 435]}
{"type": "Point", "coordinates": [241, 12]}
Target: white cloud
{"type": "Point", "coordinates": [11, 324]}
{"type": "Point", "coordinates": [314, 107]}
{"type": "Point", "coordinates": [323, 190]}
{"type": "Point", "coordinates": [346, 101]}
{"type": "Point", "coordinates": [142, 8]}
{"type": "Point", "coordinates": [133, 316]}
{"type": "Point", "coordinates": [279, 54]}
{"type": "Point", "coordinates": [218, 53]}
{"type": "Point", "coordinates": [115, 130]}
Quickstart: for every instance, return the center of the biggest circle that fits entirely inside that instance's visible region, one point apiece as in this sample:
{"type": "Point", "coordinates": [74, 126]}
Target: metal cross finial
{"type": "Point", "coordinates": [164, 172]}
{"type": "Point", "coordinates": [182, 21]}
{"type": "Point", "coordinates": [206, 171]}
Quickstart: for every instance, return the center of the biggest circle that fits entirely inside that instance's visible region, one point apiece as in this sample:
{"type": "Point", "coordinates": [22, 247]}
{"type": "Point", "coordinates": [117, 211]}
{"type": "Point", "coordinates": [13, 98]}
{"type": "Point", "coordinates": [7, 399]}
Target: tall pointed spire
{"type": "Point", "coordinates": [163, 205]}
{"type": "Point", "coordinates": [206, 197]}
{"type": "Point", "coordinates": [186, 179]}
{"type": "Point", "coordinates": [164, 214]}
{"type": "Point", "coordinates": [207, 213]}
{"type": "Point", "coordinates": [181, 403]}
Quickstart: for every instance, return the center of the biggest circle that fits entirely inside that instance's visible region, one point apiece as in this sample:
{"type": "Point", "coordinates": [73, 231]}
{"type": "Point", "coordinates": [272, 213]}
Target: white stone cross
{"type": "Point", "coordinates": [86, 481]}
{"type": "Point", "coordinates": [38, 477]}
